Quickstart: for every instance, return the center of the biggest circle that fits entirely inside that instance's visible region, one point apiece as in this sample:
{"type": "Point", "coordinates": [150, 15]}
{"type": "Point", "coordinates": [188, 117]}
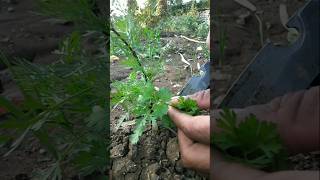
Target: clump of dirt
{"type": "Point", "coordinates": [243, 43]}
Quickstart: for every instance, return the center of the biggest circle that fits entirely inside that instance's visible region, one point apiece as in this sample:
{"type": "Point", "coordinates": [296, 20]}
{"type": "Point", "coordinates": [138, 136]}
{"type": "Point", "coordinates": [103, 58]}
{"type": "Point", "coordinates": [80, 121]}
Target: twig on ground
{"type": "Point", "coordinates": [193, 40]}
{"type": "Point", "coordinates": [186, 62]}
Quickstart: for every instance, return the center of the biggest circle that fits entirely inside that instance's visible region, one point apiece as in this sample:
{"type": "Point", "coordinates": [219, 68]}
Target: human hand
{"type": "Point", "coordinates": [193, 137]}
{"type": "Point", "coordinates": [296, 115]}
{"type": "Point", "coordinates": [194, 155]}
{"type": "Point", "coordinates": [194, 134]}
{"type": "Point", "coordinates": [202, 98]}
{"type": "Point", "coordinates": [195, 127]}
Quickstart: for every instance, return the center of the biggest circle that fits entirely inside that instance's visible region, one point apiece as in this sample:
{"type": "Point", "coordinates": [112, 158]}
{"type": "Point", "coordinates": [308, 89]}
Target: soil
{"type": "Point", "coordinates": [243, 43]}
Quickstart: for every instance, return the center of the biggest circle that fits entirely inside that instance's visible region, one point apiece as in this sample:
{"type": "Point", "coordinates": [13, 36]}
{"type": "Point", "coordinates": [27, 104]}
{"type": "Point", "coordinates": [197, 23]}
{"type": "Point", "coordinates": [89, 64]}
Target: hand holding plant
{"type": "Point", "coordinates": [297, 126]}
{"type": "Point", "coordinates": [193, 133]}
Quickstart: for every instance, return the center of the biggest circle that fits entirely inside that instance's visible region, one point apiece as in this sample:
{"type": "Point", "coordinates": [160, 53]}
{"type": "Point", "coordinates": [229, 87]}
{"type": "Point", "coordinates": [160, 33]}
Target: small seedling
{"type": "Point", "coordinates": [252, 142]}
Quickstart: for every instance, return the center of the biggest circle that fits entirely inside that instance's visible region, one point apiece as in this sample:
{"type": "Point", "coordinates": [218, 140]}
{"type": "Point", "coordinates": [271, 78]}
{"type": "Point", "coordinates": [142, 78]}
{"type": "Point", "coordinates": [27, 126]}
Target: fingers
{"type": "Point", "coordinates": [175, 99]}
{"type": "Point", "coordinates": [202, 98]}
{"type": "Point", "coordinates": [184, 141]}
{"type": "Point", "coordinates": [195, 127]}
{"type": "Point", "coordinates": [194, 155]}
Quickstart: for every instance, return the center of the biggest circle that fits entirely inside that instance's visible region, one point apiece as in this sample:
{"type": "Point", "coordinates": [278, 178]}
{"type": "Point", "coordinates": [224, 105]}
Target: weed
{"type": "Point", "coordinates": [252, 142]}
{"type": "Point", "coordinates": [138, 96]}
{"type": "Point", "coordinates": [140, 99]}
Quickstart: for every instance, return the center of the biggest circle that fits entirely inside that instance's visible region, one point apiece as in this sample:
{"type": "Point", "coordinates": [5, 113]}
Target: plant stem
{"type": "Point", "coordinates": [133, 52]}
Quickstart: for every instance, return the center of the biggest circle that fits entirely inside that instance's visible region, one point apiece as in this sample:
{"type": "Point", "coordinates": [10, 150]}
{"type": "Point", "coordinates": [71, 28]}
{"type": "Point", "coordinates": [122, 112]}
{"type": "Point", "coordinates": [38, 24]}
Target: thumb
{"type": "Point", "coordinates": [182, 120]}
{"type": "Point", "coordinates": [196, 128]}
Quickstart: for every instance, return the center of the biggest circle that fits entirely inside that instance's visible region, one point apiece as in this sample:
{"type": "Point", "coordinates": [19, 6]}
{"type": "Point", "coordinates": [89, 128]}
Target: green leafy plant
{"type": "Point", "coordinates": [255, 143]}
{"type": "Point", "coordinates": [177, 7]}
{"type": "Point", "coordinates": [137, 95]}
{"type": "Point", "coordinates": [142, 101]}
{"type": "Point", "coordinates": [148, 105]}
{"type": "Point", "coordinates": [188, 106]}
{"type": "Point", "coordinates": [185, 24]}
{"type": "Point", "coordinates": [146, 41]}
{"type": "Point", "coordinates": [64, 109]}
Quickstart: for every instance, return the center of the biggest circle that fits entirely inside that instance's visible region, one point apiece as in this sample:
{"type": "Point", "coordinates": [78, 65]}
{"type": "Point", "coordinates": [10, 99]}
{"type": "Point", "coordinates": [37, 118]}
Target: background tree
{"type": "Point", "coordinates": [161, 7]}
{"type": "Point", "coordinates": [132, 6]}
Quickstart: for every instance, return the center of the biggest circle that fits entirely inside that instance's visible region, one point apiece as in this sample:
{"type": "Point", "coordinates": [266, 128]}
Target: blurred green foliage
{"type": "Point", "coordinates": [185, 24]}
{"type": "Point", "coordinates": [64, 109]}
{"type": "Point", "coordinates": [66, 104]}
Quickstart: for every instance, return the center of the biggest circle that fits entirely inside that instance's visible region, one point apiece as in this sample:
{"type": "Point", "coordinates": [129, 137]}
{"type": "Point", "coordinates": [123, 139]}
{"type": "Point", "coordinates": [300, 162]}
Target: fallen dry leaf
{"type": "Point", "coordinates": [247, 4]}
{"type": "Point", "coordinates": [283, 15]}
